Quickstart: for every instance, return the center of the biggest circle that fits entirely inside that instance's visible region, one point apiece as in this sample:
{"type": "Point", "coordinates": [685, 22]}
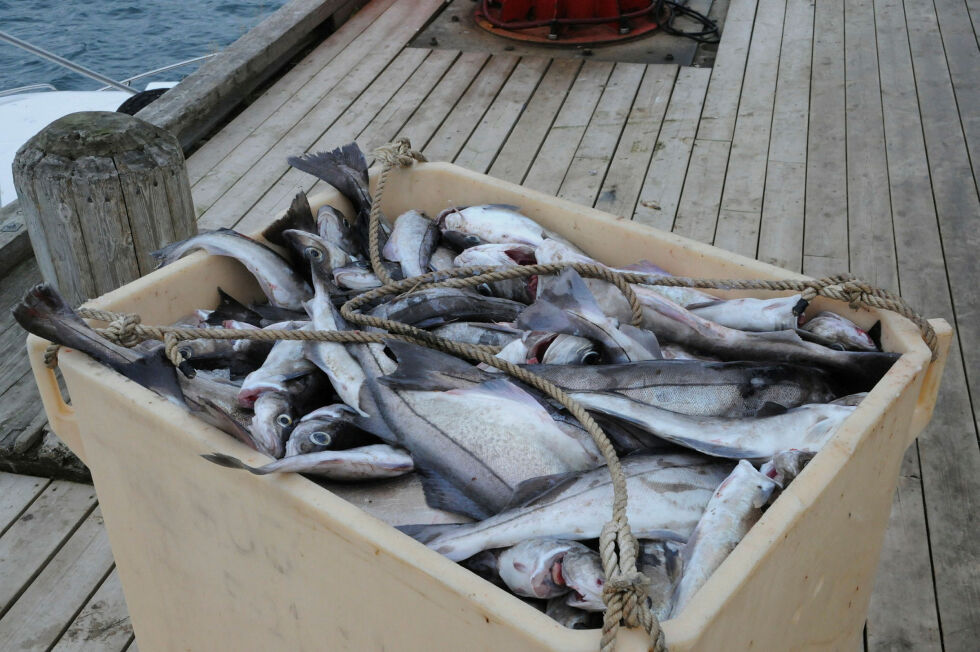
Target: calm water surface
{"type": "Point", "coordinates": [119, 38]}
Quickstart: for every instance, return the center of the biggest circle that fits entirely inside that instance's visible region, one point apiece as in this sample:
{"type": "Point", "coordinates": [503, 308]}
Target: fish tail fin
{"type": "Point", "coordinates": [344, 168]}
{"type": "Point", "coordinates": [422, 368]}
{"type": "Point", "coordinates": [230, 462]}
{"type": "Point", "coordinates": [298, 216]}
{"type": "Point", "coordinates": [427, 533]}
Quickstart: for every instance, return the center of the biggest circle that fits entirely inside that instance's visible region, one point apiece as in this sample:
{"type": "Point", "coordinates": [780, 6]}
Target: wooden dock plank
{"type": "Point", "coordinates": [345, 129]}
{"type": "Point", "coordinates": [627, 169]}
{"type": "Point", "coordinates": [700, 200]}
{"type": "Point", "coordinates": [48, 606]}
{"type": "Point", "coordinates": [555, 155]}
{"type": "Point", "coordinates": [102, 625]}
{"type": "Point", "coordinates": [357, 63]}
{"type": "Point", "coordinates": [453, 133]}
{"type": "Point", "coordinates": [949, 455]}
{"type": "Point", "coordinates": [591, 160]}
{"type": "Point", "coordinates": [215, 149]}
{"type": "Point", "coordinates": [261, 159]}
{"type": "Point", "coordinates": [661, 190]}
{"type": "Point", "coordinates": [17, 492]}
{"type": "Point", "coordinates": [525, 139]}
{"type": "Point", "coordinates": [448, 93]}
{"type": "Point", "coordinates": [491, 132]}
{"type": "Point", "coordinates": [38, 533]}
{"type": "Point", "coordinates": [825, 212]}
{"type": "Point", "coordinates": [781, 226]}
{"type": "Point", "coordinates": [963, 59]}
{"type": "Point", "coordinates": [725, 88]}
{"type": "Point", "coordinates": [871, 238]}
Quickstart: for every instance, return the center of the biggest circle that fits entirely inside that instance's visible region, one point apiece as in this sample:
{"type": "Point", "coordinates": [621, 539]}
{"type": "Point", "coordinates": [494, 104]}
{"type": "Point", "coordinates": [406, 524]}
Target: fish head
{"type": "Point", "coordinates": [581, 570]}
{"type": "Point", "coordinates": [323, 255]}
{"type": "Point", "coordinates": [570, 349]}
{"type": "Point", "coordinates": [533, 568]}
{"type": "Point", "coordinates": [460, 240]}
{"type": "Point", "coordinates": [273, 422]}
{"type": "Point", "coordinates": [311, 436]}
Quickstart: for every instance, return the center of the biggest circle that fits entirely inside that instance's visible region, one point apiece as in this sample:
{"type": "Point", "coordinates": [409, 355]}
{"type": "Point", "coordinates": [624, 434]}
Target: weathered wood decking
{"type": "Point", "coordinates": [843, 134]}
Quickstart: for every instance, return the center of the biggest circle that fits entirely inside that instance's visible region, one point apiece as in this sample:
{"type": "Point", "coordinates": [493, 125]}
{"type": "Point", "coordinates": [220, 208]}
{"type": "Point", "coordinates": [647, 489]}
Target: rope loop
{"type": "Point", "coordinates": [398, 153]}
{"type": "Point", "coordinates": [122, 330]}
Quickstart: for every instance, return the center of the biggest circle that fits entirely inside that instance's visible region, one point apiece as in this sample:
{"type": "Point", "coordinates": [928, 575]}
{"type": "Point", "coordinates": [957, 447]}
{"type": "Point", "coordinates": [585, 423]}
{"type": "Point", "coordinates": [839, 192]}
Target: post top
{"type": "Point", "coordinates": [96, 133]}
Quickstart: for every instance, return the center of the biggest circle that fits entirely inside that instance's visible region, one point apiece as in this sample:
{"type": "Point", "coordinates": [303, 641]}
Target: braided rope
{"type": "Point", "coordinates": [625, 590]}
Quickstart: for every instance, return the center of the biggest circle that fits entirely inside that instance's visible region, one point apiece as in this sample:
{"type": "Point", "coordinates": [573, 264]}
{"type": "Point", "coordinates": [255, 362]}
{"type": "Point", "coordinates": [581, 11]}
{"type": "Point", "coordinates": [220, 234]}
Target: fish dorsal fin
{"type": "Point", "coordinates": [539, 489]}
{"type": "Point", "coordinates": [645, 338]}
{"type": "Point", "coordinates": [771, 409]}
{"type": "Point", "coordinates": [298, 216]}
{"type": "Point", "coordinates": [875, 334]}
{"type": "Point", "coordinates": [441, 494]}
{"type": "Point", "coordinates": [424, 369]}
{"type": "Point", "coordinates": [564, 293]}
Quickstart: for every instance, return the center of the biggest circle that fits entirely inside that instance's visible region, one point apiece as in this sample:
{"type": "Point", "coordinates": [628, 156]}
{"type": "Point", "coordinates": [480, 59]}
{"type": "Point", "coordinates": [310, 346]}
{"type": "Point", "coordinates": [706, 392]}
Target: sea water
{"type": "Point", "coordinates": [119, 38]}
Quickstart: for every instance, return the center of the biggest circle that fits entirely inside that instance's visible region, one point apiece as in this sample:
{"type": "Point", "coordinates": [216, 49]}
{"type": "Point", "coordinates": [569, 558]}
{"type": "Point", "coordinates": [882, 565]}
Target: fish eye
{"type": "Point", "coordinates": [185, 352]}
{"type": "Point", "coordinates": [592, 357]}
{"type": "Point", "coordinates": [484, 289]}
{"type": "Point", "coordinates": [284, 420]}
{"type": "Point", "coordinates": [320, 438]}
{"type": "Point", "coordinates": [313, 253]}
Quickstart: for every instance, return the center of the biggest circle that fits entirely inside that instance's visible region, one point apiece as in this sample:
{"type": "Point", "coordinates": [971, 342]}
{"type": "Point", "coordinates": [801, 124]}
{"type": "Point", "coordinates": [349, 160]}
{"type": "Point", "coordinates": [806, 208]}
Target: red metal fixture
{"type": "Point", "coordinates": [563, 22]}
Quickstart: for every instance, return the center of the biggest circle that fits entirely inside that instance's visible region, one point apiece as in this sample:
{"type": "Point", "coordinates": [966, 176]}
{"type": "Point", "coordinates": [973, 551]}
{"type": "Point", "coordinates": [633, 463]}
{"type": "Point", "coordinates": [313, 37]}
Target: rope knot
{"type": "Point", "coordinates": [123, 330]}
{"type": "Point", "coordinates": [398, 153]}
{"type": "Point", "coordinates": [857, 292]}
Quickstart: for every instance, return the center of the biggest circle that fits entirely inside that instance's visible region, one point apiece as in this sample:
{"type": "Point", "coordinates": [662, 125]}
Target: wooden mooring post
{"type": "Point", "coordinates": [99, 192]}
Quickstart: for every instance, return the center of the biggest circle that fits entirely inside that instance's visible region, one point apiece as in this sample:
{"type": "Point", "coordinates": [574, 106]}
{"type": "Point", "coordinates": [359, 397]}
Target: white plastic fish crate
{"type": "Point", "coordinates": [215, 560]}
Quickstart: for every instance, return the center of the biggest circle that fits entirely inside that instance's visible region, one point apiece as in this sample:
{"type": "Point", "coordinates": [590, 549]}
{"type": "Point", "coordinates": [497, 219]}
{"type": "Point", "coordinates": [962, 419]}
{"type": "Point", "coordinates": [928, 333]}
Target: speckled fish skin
{"type": "Point", "coordinates": [668, 494]}
{"type": "Point", "coordinates": [478, 333]}
{"type": "Point", "coordinates": [840, 330]}
{"type": "Point", "coordinates": [805, 428]}
{"type": "Point", "coordinates": [528, 569]}
{"type": "Point", "coordinates": [412, 241]}
{"type": "Point", "coordinates": [281, 285]}
{"type": "Point", "coordinates": [366, 463]}
{"type": "Point", "coordinates": [496, 223]}
{"type": "Point", "coordinates": [749, 314]}
{"type": "Point", "coordinates": [730, 389]}
{"type": "Point", "coordinates": [435, 306]}
{"type": "Point", "coordinates": [734, 508]}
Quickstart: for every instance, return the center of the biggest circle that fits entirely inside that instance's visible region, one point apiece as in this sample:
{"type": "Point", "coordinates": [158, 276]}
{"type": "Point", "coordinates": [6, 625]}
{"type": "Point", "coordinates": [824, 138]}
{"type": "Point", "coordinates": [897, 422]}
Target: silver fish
{"type": "Point", "coordinates": [496, 223]}
{"type": "Point", "coordinates": [581, 570]}
{"type": "Point", "coordinates": [412, 242]}
{"type": "Point", "coordinates": [749, 314]}
{"type": "Point", "coordinates": [732, 389]}
{"type": "Point", "coordinates": [570, 617]}
{"type": "Point", "coordinates": [286, 362]}
{"type": "Point", "coordinates": [532, 568]}
{"type": "Point", "coordinates": [365, 463]}
{"type": "Point", "coordinates": [550, 348]}
{"type": "Point", "coordinates": [496, 255]}
{"type": "Point", "coordinates": [440, 305]}
{"type": "Point", "coordinates": [280, 284]}
{"type": "Point", "coordinates": [331, 426]}
{"type": "Point", "coordinates": [807, 427]}
{"type": "Point", "coordinates": [676, 352]}
{"type": "Point", "coordinates": [567, 306]}
{"type": "Point", "coordinates": [333, 358]}
{"type": "Point", "coordinates": [672, 323]}
{"type": "Point", "coordinates": [441, 259]}
{"type": "Point", "coordinates": [478, 333]}
{"type": "Point", "coordinates": [214, 400]}
{"type": "Point", "coordinates": [841, 331]}
{"type": "Point", "coordinates": [333, 227]}
{"type": "Point", "coordinates": [321, 254]}
{"type": "Point", "coordinates": [473, 444]}
{"type": "Point", "coordinates": [668, 494]}
{"type": "Point", "coordinates": [733, 509]}
{"type": "Point", "coordinates": [272, 422]}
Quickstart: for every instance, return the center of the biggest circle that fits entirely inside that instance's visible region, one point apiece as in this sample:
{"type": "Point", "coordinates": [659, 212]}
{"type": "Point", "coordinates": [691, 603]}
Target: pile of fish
{"type": "Point", "coordinates": [714, 405]}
